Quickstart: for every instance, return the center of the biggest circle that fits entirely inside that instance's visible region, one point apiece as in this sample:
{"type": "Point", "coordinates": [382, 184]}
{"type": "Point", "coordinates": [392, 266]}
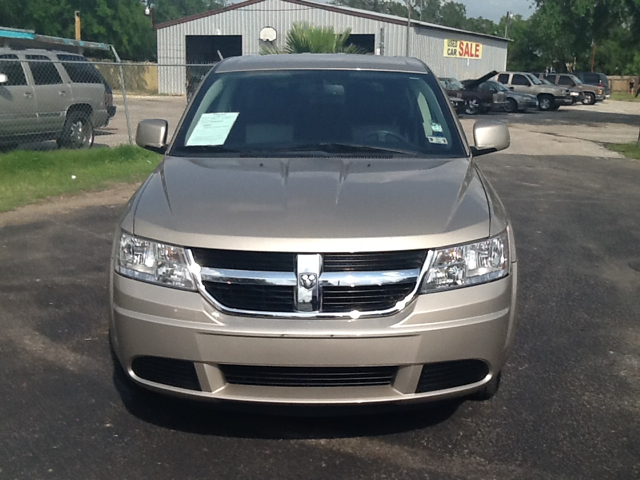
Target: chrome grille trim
{"type": "Point", "coordinates": [389, 277]}
{"type": "Point", "coordinates": [248, 277]}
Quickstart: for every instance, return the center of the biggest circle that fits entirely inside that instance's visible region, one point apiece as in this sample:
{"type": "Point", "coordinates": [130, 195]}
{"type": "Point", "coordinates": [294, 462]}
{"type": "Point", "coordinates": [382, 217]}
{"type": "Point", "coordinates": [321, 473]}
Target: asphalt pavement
{"type": "Point", "coordinates": [568, 408]}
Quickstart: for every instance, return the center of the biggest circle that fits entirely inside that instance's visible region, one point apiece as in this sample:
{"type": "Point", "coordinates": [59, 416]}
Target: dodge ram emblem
{"type": "Point", "coordinates": [308, 280]}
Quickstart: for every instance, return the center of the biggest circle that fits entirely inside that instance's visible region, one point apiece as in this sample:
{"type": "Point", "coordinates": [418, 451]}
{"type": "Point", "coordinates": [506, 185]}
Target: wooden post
{"type": "Point", "coordinates": [78, 26]}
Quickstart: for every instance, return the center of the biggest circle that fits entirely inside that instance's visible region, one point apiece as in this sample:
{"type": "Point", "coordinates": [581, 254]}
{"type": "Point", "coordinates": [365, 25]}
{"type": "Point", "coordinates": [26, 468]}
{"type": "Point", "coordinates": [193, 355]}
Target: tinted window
{"type": "Point", "coordinates": [80, 70]}
{"type": "Point", "coordinates": [564, 80]}
{"type": "Point", "coordinates": [550, 78]}
{"type": "Point", "coordinates": [336, 112]}
{"type": "Point", "coordinates": [503, 78]}
{"type": "Point", "coordinates": [591, 78]}
{"type": "Point", "coordinates": [520, 80]}
{"type": "Point", "coordinates": [12, 68]}
{"type": "Point", "coordinates": [43, 70]}
{"type": "Point", "coordinates": [486, 87]}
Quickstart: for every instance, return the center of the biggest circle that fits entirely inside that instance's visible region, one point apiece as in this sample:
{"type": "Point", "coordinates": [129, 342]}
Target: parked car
{"type": "Point", "coordinates": [549, 97]}
{"type": "Point", "coordinates": [514, 101]}
{"type": "Point", "coordinates": [597, 79]}
{"type": "Point", "coordinates": [317, 233]}
{"type": "Point", "coordinates": [587, 94]}
{"type": "Point", "coordinates": [475, 101]}
{"type": "Point", "coordinates": [576, 95]}
{"type": "Point", "coordinates": [47, 95]}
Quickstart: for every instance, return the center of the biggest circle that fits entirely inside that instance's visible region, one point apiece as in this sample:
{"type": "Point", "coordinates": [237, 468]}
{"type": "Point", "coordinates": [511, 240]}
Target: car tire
{"type": "Point", "coordinates": [546, 102]}
{"type": "Point", "coordinates": [511, 106]}
{"type": "Point", "coordinates": [77, 131]}
{"type": "Point", "coordinates": [589, 99]}
{"type": "Point", "coordinates": [487, 391]}
{"type": "Point", "coordinates": [473, 106]}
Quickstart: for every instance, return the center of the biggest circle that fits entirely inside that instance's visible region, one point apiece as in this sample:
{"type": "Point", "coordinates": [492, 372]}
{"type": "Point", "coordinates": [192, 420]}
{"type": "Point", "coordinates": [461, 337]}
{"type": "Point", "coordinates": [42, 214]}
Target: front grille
{"type": "Point", "coordinates": [364, 299]}
{"type": "Point", "coordinates": [368, 262]}
{"type": "Point", "coordinates": [167, 371]}
{"type": "Point", "coordinates": [278, 283]}
{"type": "Point", "coordinates": [443, 375]}
{"type": "Point", "coordinates": [241, 260]}
{"type": "Point", "coordinates": [308, 376]}
{"type": "Point", "coordinates": [261, 298]}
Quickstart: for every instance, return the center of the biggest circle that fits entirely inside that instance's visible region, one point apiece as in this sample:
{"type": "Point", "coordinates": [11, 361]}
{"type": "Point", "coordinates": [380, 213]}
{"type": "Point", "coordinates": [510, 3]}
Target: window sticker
{"type": "Point", "coordinates": [436, 127]}
{"type": "Point", "coordinates": [438, 140]}
{"type": "Point", "coordinates": [212, 129]}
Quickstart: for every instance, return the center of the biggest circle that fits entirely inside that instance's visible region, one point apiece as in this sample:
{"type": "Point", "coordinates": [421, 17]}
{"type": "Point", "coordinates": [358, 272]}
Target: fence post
{"type": "Point", "coordinates": [124, 93]}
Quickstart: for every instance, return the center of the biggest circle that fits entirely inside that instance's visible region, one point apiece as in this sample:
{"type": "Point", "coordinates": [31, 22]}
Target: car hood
{"type": "Point", "coordinates": [312, 204]}
{"type": "Point", "coordinates": [473, 84]}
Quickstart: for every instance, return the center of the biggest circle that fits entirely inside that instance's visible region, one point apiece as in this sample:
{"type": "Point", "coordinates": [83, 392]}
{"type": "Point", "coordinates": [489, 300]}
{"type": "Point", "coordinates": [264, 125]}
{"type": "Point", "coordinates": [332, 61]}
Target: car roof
{"type": "Point", "coordinates": [319, 61]}
{"type": "Point", "coordinates": [37, 51]}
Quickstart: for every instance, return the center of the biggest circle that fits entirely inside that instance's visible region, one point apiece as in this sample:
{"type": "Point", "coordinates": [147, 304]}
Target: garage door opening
{"type": "Point", "coordinates": [207, 49]}
{"type": "Point", "coordinates": [365, 41]}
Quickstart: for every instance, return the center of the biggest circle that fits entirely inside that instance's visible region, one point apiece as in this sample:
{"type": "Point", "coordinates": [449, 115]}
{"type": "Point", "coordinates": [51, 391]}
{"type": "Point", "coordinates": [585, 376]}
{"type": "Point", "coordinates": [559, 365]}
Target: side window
{"type": "Point", "coordinates": [12, 68]}
{"type": "Point", "coordinates": [551, 78]}
{"type": "Point", "coordinates": [565, 81]}
{"type": "Point", "coordinates": [503, 78]}
{"type": "Point", "coordinates": [43, 70]}
{"type": "Point", "coordinates": [520, 80]}
{"type": "Point", "coordinates": [80, 70]}
{"type": "Point", "coordinates": [485, 87]}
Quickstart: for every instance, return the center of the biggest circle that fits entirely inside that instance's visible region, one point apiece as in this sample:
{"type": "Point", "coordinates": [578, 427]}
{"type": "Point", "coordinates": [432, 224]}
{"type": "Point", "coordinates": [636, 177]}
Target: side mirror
{"type": "Point", "coordinates": [152, 135]}
{"type": "Point", "coordinates": [511, 88]}
{"type": "Point", "coordinates": [489, 136]}
{"type": "Point", "coordinates": [3, 78]}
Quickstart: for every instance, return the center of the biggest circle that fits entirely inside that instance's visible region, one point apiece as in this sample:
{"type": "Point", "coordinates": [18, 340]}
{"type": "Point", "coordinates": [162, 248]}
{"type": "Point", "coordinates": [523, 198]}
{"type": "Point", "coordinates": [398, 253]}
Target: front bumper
{"type": "Point", "coordinates": [566, 100]}
{"type": "Point", "coordinates": [470, 324]}
{"type": "Point", "coordinates": [527, 103]}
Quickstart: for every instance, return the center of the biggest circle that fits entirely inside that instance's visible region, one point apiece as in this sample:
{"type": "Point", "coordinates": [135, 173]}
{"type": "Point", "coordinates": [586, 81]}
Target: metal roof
{"type": "Point", "coordinates": [308, 61]}
{"type": "Point", "coordinates": [356, 12]}
{"type": "Point", "coordinates": [15, 38]}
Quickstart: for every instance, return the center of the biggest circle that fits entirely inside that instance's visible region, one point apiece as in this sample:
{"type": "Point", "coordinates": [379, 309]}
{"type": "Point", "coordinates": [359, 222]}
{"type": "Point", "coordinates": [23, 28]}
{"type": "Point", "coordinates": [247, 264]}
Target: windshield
{"type": "Point", "coordinates": [576, 80]}
{"type": "Point", "coordinates": [326, 112]}
{"type": "Point", "coordinates": [498, 86]}
{"type": "Point", "coordinates": [452, 84]}
{"type": "Point", "coordinates": [534, 79]}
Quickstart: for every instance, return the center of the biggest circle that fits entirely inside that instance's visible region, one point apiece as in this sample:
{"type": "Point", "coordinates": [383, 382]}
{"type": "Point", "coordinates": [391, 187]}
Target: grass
{"type": "Point", "coordinates": [27, 176]}
{"type": "Point", "coordinates": [629, 150]}
{"type": "Point", "coordinates": [625, 97]}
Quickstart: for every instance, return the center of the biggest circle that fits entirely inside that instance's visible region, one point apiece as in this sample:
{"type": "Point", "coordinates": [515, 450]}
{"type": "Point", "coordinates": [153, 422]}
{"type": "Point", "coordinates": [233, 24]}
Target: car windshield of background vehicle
{"type": "Point", "coordinates": [534, 79]}
{"type": "Point", "coordinates": [331, 112]}
{"type": "Point", "coordinates": [576, 79]}
{"type": "Point", "coordinates": [498, 86]}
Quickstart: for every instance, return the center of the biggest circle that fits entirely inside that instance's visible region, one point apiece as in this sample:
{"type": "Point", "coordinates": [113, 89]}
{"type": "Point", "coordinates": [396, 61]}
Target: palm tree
{"type": "Point", "coordinates": [305, 38]}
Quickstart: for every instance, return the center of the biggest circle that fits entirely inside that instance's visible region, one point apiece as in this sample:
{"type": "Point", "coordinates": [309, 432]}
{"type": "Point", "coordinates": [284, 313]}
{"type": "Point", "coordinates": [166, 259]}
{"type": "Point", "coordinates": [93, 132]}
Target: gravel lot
{"type": "Point", "coordinates": [568, 408]}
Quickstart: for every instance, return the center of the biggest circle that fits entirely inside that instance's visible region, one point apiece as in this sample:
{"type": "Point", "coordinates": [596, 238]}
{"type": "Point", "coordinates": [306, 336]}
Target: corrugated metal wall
{"type": "Point", "coordinates": [426, 43]}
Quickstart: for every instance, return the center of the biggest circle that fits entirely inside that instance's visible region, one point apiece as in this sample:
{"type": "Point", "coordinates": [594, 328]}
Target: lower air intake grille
{"type": "Point", "coordinates": [443, 375]}
{"type": "Point", "coordinates": [308, 376]}
{"type": "Point", "coordinates": [168, 371]}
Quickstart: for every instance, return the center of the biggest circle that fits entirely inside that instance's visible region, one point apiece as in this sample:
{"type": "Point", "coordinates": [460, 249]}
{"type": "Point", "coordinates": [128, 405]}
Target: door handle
{"type": "Point", "coordinates": [28, 94]}
{"type": "Point", "coordinates": [62, 93]}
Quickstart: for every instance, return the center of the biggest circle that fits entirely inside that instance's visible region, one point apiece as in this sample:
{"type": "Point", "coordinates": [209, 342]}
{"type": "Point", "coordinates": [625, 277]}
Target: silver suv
{"type": "Point", "coordinates": [550, 97]}
{"type": "Point", "coordinates": [317, 233]}
{"type": "Point", "coordinates": [47, 95]}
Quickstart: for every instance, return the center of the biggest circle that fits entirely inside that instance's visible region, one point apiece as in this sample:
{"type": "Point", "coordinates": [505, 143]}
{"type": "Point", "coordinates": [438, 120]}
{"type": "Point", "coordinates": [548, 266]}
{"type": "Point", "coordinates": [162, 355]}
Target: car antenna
{"type": "Point", "coordinates": [220, 55]}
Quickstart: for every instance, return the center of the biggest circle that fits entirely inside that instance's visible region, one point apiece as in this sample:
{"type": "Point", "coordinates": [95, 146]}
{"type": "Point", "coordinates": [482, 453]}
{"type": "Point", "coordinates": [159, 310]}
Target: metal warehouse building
{"type": "Point", "coordinates": [242, 29]}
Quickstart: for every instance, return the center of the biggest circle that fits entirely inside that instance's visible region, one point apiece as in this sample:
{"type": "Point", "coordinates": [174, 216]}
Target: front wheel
{"type": "Point", "coordinates": [472, 106]}
{"type": "Point", "coordinates": [511, 106]}
{"type": "Point", "coordinates": [77, 132]}
{"type": "Point", "coordinates": [545, 102]}
{"type": "Point", "coordinates": [589, 99]}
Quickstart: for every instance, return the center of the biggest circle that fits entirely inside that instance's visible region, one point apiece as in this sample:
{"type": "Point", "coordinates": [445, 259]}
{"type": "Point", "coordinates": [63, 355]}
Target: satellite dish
{"type": "Point", "coordinates": [268, 34]}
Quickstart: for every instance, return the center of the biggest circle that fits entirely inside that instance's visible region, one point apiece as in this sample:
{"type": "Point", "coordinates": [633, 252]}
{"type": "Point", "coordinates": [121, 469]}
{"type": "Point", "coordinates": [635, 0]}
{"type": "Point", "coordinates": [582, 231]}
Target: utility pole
{"type": "Point", "coordinates": [78, 26]}
{"type": "Point", "coordinates": [506, 25]}
{"type": "Point", "coordinates": [593, 56]}
{"type": "Point", "coordinates": [408, 25]}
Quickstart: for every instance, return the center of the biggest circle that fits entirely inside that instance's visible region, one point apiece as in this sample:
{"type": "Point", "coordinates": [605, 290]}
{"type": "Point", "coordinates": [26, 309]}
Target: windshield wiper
{"type": "Point", "coordinates": [338, 147]}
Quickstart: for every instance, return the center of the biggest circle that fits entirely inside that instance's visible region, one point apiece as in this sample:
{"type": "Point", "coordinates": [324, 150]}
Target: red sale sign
{"type": "Point", "coordinates": [462, 49]}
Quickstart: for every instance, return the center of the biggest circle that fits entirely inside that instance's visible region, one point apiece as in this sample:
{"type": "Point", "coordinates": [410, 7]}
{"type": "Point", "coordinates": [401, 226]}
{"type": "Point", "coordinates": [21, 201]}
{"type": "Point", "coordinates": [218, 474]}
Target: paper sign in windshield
{"type": "Point", "coordinates": [212, 129]}
{"type": "Point", "coordinates": [438, 140]}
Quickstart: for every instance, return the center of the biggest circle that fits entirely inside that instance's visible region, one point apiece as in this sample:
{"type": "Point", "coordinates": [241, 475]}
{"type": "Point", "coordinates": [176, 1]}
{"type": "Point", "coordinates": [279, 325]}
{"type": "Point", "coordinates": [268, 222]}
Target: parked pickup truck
{"type": "Point", "coordinates": [550, 97]}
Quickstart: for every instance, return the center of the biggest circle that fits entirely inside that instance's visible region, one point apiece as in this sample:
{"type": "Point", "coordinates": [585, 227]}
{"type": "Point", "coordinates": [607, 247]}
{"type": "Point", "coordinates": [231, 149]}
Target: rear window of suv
{"type": "Point", "coordinates": [334, 111]}
{"type": "Point", "coordinates": [43, 70]}
{"type": "Point", "coordinates": [80, 70]}
{"type": "Point", "coordinates": [12, 68]}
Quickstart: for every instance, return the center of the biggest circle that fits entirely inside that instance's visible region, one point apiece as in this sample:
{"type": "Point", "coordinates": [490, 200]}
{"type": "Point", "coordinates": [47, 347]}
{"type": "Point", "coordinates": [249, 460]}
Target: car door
{"type": "Point", "coordinates": [53, 96]}
{"type": "Point", "coordinates": [520, 83]}
{"type": "Point", "coordinates": [17, 100]}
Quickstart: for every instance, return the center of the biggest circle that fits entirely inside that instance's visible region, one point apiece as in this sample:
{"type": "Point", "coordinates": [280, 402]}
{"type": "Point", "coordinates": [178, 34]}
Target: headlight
{"type": "Point", "coordinates": [470, 264]}
{"type": "Point", "coordinates": [153, 262]}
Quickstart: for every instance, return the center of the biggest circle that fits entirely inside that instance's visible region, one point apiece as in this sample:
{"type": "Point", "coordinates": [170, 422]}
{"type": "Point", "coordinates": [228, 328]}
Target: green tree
{"type": "Point", "coordinates": [305, 38]}
{"type": "Point", "coordinates": [453, 14]}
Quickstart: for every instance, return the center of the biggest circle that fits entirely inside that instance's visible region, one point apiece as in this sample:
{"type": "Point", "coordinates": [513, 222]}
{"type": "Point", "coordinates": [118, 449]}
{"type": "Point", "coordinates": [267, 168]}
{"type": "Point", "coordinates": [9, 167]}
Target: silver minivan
{"type": "Point", "coordinates": [51, 95]}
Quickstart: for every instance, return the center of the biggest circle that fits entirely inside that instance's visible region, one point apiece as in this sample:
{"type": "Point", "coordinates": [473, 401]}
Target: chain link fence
{"type": "Point", "coordinates": [51, 99]}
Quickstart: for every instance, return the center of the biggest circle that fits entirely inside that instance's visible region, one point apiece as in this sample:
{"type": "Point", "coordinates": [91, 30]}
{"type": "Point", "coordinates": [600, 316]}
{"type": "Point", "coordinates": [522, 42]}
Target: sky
{"type": "Point", "coordinates": [496, 9]}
